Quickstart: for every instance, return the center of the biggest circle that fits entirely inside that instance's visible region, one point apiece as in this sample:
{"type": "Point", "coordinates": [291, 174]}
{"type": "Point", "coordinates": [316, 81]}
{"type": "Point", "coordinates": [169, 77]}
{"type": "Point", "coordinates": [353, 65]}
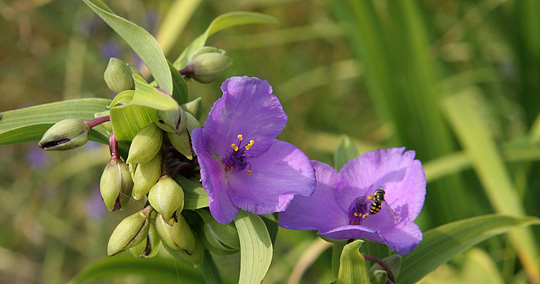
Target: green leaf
{"type": "Point", "coordinates": [255, 248]}
{"type": "Point", "coordinates": [122, 98]}
{"type": "Point", "coordinates": [29, 124]}
{"type": "Point", "coordinates": [156, 270]}
{"type": "Point", "coordinates": [345, 152]}
{"type": "Point", "coordinates": [478, 143]}
{"type": "Point", "coordinates": [272, 224]}
{"type": "Point", "coordinates": [127, 120]}
{"type": "Point", "coordinates": [445, 242]}
{"type": "Point", "coordinates": [352, 267]}
{"type": "Point", "coordinates": [195, 197]}
{"type": "Point", "coordinates": [146, 95]}
{"type": "Point", "coordinates": [210, 270]}
{"type": "Point", "coordinates": [180, 90]}
{"type": "Point", "coordinates": [220, 23]}
{"type": "Point", "coordinates": [142, 42]}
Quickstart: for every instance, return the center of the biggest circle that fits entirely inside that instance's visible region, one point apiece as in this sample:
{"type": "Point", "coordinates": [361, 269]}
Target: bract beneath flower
{"type": "Point", "coordinates": [243, 166]}
{"type": "Point", "coordinates": [376, 196]}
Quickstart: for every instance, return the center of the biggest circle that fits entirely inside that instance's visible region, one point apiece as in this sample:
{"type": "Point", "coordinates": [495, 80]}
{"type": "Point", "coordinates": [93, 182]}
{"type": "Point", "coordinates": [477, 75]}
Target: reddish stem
{"type": "Point", "coordinates": [99, 120]}
{"type": "Point", "coordinates": [113, 147]}
{"type": "Point", "coordinates": [391, 278]}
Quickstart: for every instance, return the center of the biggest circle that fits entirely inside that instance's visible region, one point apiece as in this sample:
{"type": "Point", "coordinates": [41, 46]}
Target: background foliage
{"type": "Point", "coordinates": [457, 81]}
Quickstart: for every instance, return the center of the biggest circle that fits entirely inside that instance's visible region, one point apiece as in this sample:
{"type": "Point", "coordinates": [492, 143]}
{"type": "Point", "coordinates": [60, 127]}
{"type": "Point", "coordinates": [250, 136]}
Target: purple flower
{"type": "Point", "coordinates": [242, 164]}
{"type": "Point", "coordinates": [340, 206]}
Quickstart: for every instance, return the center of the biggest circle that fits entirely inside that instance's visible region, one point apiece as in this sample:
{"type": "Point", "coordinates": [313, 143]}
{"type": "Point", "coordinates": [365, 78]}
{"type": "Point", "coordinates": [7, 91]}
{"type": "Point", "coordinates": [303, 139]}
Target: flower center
{"type": "Point", "coordinates": [363, 206]}
{"type": "Point", "coordinates": [236, 159]}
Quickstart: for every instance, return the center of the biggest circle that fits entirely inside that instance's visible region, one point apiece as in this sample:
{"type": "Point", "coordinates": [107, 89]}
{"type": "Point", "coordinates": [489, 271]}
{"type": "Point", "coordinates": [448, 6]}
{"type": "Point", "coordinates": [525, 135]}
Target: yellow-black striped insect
{"type": "Point", "coordinates": [378, 203]}
{"type": "Point", "coordinates": [378, 198]}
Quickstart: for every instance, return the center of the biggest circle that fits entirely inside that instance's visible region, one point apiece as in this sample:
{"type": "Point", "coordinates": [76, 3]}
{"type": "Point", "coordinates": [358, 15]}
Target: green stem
{"type": "Point", "coordinates": [210, 271]}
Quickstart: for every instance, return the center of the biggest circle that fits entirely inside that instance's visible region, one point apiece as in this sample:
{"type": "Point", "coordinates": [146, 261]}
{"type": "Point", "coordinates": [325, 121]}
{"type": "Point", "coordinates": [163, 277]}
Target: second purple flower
{"type": "Point", "coordinates": [243, 166]}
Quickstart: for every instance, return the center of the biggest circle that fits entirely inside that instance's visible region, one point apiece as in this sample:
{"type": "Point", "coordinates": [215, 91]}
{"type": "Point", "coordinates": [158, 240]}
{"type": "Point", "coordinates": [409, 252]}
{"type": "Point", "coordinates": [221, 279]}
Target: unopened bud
{"type": "Point", "coordinates": [172, 121]}
{"type": "Point", "coordinates": [130, 232]}
{"type": "Point", "coordinates": [149, 247]}
{"type": "Point", "coordinates": [178, 236]}
{"type": "Point", "coordinates": [118, 76]}
{"type": "Point", "coordinates": [65, 135]}
{"type": "Point", "coordinates": [208, 64]}
{"type": "Point", "coordinates": [222, 236]}
{"type": "Point", "coordinates": [194, 107]}
{"type": "Point", "coordinates": [145, 144]}
{"type": "Point", "coordinates": [166, 197]}
{"type": "Point", "coordinates": [181, 143]}
{"type": "Point", "coordinates": [145, 175]}
{"type": "Point", "coordinates": [116, 184]}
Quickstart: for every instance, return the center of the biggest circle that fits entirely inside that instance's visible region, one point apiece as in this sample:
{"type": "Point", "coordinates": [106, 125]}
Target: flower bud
{"type": "Point", "coordinates": [130, 232]}
{"type": "Point", "coordinates": [178, 236]}
{"type": "Point", "coordinates": [116, 184]}
{"type": "Point", "coordinates": [181, 143]}
{"type": "Point", "coordinates": [194, 107]}
{"type": "Point", "coordinates": [145, 144]}
{"type": "Point", "coordinates": [118, 76]}
{"type": "Point", "coordinates": [224, 237]}
{"type": "Point", "coordinates": [208, 64]}
{"type": "Point", "coordinates": [166, 197]}
{"type": "Point", "coordinates": [145, 176]}
{"type": "Point", "coordinates": [149, 247]}
{"type": "Point", "coordinates": [65, 135]}
{"type": "Point", "coordinates": [172, 121]}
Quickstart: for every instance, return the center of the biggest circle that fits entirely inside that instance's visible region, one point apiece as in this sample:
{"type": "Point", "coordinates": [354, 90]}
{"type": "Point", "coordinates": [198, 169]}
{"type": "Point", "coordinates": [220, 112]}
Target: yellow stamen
{"type": "Point", "coordinates": [234, 147]}
{"type": "Point", "coordinates": [230, 168]}
{"type": "Point", "coordinates": [249, 172]}
{"type": "Point", "coordinates": [240, 137]}
{"type": "Point", "coordinates": [356, 214]}
{"type": "Point", "coordinates": [365, 215]}
{"type": "Point", "coordinates": [251, 142]}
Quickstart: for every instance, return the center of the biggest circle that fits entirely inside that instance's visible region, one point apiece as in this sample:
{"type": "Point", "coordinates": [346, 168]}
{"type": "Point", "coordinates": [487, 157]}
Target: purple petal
{"type": "Point", "coordinates": [276, 177]}
{"type": "Point", "coordinates": [247, 107]}
{"type": "Point", "coordinates": [403, 237]}
{"type": "Point", "coordinates": [401, 177]}
{"type": "Point", "coordinates": [214, 181]}
{"type": "Point", "coordinates": [352, 232]}
{"type": "Point", "coordinates": [318, 211]}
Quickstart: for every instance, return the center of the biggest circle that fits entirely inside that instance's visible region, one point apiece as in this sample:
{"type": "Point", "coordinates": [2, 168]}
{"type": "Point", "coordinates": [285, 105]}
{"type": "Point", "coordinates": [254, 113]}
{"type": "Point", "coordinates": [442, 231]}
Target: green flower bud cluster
{"type": "Point", "coordinates": [146, 168]}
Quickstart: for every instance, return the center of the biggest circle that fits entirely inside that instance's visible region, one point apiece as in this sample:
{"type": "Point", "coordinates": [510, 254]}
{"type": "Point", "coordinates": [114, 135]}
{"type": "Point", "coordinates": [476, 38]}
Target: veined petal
{"type": "Point", "coordinates": [249, 108]}
{"type": "Point", "coordinates": [318, 211]}
{"type": "Point", "coordinates": [401, 177]}
{"type": "Point", "coordinates": [352, 232]}
{"type": "Point", "coordinates": [276, 177]}
{"type": "Point", "coordinates": [214, 181]}
{"type": "Point", "coordinates": [403, 237]}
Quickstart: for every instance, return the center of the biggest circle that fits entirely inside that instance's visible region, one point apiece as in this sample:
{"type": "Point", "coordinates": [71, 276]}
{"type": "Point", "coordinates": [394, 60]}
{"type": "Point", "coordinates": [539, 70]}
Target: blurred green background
{"type": "Point", "coordinates": [456, 81]}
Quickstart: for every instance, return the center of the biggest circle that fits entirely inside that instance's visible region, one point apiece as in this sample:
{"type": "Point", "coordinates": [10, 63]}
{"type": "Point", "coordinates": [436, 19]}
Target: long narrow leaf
{"type": "Point", "coordinates": [220, 23]}
{"type": "Point", "coordinates": [29, 124]}
{"type": "Point", "coordinates": [255, 248]}
{"type": "Point", "coordinates": [445, 242]}
{"type": "Point", "coordinates": [156, 270]}
{"type": "Point", "coordinates": [142, 42]}
{"type": "Point", "coordinates": [474, 135]}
